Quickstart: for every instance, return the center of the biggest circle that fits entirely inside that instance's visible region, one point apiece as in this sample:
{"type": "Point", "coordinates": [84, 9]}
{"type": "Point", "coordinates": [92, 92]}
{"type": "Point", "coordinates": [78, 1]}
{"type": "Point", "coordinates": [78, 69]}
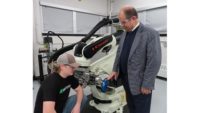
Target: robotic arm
{"type": "Point", "coordinates": [102, 23]}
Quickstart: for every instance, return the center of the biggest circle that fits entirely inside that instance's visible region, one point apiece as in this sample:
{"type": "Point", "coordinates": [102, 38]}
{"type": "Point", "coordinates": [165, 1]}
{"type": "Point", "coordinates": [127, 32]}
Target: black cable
{"type": "Point", "coordinates": [61, 40]}
{"type": "Point", "coordinates": [51, 32]}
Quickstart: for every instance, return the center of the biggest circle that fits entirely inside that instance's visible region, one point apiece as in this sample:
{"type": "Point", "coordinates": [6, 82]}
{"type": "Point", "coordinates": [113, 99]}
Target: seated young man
{"type": "Point", "coordinates": [53, 93]}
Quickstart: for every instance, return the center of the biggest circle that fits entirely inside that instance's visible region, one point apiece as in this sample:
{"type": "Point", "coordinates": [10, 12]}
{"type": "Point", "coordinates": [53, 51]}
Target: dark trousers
{"type": "Point", "coordinates": [136, 103]}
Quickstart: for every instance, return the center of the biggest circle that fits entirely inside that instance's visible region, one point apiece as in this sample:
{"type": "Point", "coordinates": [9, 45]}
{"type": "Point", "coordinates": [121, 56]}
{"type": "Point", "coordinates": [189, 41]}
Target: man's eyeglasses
{"type": "Point", "coordinates": [124, 21]}
{"type": "Point", "coordinates": [127, 20]}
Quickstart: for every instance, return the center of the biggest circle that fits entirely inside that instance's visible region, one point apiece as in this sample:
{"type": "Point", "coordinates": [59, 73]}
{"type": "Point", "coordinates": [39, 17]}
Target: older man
{"type": "Point", "coordinates": [137, 61]}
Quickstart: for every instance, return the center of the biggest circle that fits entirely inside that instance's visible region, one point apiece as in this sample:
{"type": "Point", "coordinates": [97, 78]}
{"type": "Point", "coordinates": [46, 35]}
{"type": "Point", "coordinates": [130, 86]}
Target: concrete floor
{"type": "Point", "coordinates": [159, 97]}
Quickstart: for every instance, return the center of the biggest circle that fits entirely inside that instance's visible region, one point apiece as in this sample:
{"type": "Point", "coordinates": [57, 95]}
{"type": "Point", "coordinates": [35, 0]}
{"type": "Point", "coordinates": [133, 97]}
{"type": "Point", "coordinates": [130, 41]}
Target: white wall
{"type": "Point", "coordinates": [91, 6]}
{"type": "Point", "coordinates": [99, 7]}
{"type": "Point", "coordinates": [37, 35]}
{"type": "Point", "coordinates": [163, 69]}
{"type": "Point", "coordinates": [138, 4]}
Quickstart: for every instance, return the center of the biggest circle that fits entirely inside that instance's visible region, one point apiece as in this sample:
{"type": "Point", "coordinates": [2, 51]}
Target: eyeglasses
{"type": "Point", "coordinates": [124, 21]}
{"type": "Point", "coordinates": [127, 20]}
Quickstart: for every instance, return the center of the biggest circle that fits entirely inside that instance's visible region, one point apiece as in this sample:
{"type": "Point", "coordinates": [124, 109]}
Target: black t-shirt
{"type": "Point", "coordinates": [55, 88]}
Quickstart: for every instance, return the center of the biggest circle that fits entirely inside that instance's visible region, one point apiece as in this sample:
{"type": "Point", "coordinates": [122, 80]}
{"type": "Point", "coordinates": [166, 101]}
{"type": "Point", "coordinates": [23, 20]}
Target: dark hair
{"type": "Point", "coordinates": [130, 12]}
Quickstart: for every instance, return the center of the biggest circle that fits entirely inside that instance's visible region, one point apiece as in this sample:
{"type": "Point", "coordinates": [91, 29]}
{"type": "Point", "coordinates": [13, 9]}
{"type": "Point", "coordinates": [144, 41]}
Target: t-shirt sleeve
{"type": "Point", "coordinates": [49, 91]}
{"type": "Point", "coordinates": [74, 82]}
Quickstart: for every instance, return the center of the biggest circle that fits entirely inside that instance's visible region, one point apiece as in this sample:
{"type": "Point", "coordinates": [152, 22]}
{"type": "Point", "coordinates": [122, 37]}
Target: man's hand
{"type": "Point", "coordinates": [113, 75]}
{"type": "Point", "coordinates": [76, 109]}
{"type": "Point", "coordinates": [145, 91]}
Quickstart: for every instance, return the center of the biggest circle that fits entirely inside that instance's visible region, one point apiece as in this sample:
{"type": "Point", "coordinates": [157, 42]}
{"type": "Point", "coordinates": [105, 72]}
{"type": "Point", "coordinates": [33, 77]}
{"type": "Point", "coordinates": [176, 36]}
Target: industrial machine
{"type": "Point", "coordinates": [96, 57]}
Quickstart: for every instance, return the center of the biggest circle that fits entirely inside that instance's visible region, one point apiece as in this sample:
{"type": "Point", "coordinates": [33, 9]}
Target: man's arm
{"type": "Point", "coordinates": [79, 95]}
{"type": "Point", "coordinates": [153, 62]}
{"type": "Point", "coordinates": [115, 70]}
{"type": "Point", "coordinates": [49, 107]}
{"type": "Point", "coordinates": [116, 61]}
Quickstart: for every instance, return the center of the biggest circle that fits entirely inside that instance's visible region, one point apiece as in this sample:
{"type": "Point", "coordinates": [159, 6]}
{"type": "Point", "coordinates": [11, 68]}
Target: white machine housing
{"type": "Point", "coordinates": [90, 72]}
